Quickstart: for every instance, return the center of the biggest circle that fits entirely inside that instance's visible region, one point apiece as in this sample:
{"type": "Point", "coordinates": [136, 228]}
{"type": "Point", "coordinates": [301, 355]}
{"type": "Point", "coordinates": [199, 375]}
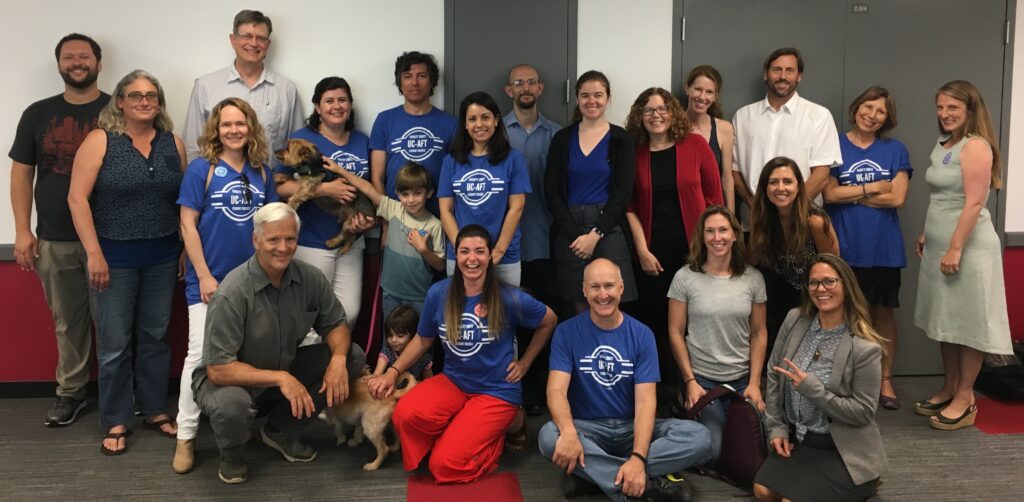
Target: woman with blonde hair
{"type": "Point", "coordinates": [124, 185]}
{"type": "Point", "coordinates": [703, 91]}
{"type": "Point", "coordinates": [220, 193]}
{"type": "Point", "coordinates": [961, 300]}
{"type": "Point", "coordinates": [826, 371]}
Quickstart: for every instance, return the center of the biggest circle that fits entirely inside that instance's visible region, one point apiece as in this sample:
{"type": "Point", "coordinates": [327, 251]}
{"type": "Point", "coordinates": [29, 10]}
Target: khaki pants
{"type": "Point", "coordinates": [61, 267]}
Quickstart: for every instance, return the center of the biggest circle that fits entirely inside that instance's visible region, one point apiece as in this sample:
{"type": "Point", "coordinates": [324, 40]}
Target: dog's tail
{"type": "Point", "coordinates": [410, 382]}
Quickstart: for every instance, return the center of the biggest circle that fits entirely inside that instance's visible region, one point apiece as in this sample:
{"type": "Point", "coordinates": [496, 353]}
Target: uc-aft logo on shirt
{"type": "Point", "coordinates": [606, 365]}
{"type": "Point", "coordinates": [473, 335]}
{"type": "Point", "coordinates": [235, 203]}
{"type": "Point", "coordinates": [477, 186]}
{"type": "Point", "coordinates": [352, 163]}
{"type": "Point", "coordinates": [417, 144]}
{"type": "Point", "coordinates": [864, 171]}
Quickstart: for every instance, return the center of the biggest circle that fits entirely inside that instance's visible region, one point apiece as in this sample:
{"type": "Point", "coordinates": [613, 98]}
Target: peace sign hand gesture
{"type": "Point", "coordinates": [794, 374]}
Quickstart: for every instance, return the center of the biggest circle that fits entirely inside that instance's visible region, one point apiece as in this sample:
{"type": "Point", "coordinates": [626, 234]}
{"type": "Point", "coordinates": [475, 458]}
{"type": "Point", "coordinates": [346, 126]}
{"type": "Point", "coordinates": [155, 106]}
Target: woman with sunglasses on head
{"type": "Point", "coordinates": [823, 381]}
{"type": "Point", "coordinates": [862, 197]}
{"type": "Point", "coordinates": [716, 320]}
{"type": "Point", "coordinates": [331, 127]}
{"type": "Point", "coordinates": [961, 299]}
{"type": "Point", "coordinates": [703, 88]}
{"type": "Point", "coordinates": [124, 185]}
{"type": "Point", "coordinates": [220, 193]}
{"type": "Point", "coordinates": [676, 178]}
{"type": "Point", "coordinates": [787, 231]}
{"type": "Point", "coordinates": [587, 185]}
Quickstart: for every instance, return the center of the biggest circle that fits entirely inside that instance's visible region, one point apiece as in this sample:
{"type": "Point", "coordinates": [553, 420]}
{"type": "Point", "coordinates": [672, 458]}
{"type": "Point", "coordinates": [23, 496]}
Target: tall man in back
{"type": "Point", "coordinates": [274, 97]}
{"type": "Point", "coordinates": [784, 124]}
{"type": "Point", "coordinates": [47, 138]}
{"type": "Point", "coordinates": [530, 132]}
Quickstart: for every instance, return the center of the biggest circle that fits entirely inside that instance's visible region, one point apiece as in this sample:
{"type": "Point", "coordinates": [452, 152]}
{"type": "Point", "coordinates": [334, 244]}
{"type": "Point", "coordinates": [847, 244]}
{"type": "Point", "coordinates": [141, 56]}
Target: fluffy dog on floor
{"type": "Point", "coordinates": [308, 163]}
{"type": "Point", "coordinates": [370, 416]}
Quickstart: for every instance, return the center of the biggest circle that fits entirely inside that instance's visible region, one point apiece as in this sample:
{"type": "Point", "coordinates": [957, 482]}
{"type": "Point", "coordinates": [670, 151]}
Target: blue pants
{"type": "Point", "coordinates": [137, 302]}
{"type": "Point", "coordinates": [713, 415]}
{"type": "Point", "coordinates": [675, 445]}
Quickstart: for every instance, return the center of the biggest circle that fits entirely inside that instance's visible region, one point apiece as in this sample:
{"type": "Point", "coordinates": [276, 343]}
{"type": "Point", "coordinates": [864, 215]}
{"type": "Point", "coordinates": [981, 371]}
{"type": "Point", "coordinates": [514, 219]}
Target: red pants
{"type": "Point", "coordinates": [466, 431]}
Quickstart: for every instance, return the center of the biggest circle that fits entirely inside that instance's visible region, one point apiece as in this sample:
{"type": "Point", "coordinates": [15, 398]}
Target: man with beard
{"type": "Point", "coordinates": [47, 138]}
{"type": "Point", "coordinates": [274, 97]}
{"type": "Point", "coordinates": [784, 124]}
{"type": "Point", "coordinates": [530, 133]}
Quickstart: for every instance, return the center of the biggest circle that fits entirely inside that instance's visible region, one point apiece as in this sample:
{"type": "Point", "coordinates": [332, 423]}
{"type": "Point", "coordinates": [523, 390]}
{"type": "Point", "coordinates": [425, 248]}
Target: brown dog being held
{"type": "Point", "coordinates": [308, 163]}
{"type": "Point", "coordinates": [371, 417]}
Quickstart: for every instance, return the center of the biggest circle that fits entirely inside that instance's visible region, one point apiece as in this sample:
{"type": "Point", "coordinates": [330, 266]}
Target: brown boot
{"type": "Point", "coordinates": [184, 456]}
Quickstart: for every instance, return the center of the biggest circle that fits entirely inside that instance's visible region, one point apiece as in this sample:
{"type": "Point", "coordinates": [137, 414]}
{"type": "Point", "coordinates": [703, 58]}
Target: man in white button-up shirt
{"type": "Point", "coordinates": [784, 124]}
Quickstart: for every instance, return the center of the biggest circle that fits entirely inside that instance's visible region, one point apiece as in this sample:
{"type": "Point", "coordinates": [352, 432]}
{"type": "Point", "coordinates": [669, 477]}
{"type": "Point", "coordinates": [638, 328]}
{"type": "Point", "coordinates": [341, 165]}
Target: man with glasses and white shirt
{"type": "Point", "coordinates": [274, 97]}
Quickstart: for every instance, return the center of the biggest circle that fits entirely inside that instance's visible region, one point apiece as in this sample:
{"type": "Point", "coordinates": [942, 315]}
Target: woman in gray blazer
{"type": "Point", "coordinates": [822, 393]}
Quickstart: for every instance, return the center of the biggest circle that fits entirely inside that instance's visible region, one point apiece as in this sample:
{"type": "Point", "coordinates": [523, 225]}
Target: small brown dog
{"type": "Point", "coordinates": [370, 417]}
{"type": "Point", "coordinates": [308, 163]}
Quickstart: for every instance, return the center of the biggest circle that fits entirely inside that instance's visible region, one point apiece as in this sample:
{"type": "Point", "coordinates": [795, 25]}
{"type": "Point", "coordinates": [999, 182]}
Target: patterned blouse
{"type": "Point", "coordinates": [815, 356]}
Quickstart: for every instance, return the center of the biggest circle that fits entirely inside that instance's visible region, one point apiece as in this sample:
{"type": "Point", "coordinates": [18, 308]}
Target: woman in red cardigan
{"type": "Point", "coordinates": [676, 178]}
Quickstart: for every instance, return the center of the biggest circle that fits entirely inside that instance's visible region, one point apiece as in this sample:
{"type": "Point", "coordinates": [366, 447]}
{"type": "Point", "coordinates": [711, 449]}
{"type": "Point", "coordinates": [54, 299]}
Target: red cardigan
{"type": "Point", "coordinates": [697, 182]}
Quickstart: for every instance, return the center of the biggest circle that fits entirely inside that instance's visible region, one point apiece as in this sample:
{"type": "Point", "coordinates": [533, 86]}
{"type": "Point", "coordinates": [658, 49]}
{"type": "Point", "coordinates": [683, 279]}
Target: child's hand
{"type": "Point", "coordinates": [418, 239]}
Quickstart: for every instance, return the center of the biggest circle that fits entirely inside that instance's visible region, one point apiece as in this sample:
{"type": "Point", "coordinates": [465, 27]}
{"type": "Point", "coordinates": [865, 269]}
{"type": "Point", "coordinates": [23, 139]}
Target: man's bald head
{"type": "Point", "coordinates": [601, 266]}
{"type": "Point", "coordinates": [524, 86]}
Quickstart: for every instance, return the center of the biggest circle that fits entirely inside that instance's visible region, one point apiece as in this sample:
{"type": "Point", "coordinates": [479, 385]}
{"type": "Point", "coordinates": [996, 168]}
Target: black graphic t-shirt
{"type": "Point", "coordinates": [48, 136]}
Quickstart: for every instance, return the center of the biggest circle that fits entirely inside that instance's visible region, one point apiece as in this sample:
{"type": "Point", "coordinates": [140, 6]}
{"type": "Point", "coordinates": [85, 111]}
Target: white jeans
{"type": "Point", "coordinates": [345, 272]}
{"type": "Point", "coordinates": [188, 411]}
{"type": "Point", "coordinates": [509, 273]}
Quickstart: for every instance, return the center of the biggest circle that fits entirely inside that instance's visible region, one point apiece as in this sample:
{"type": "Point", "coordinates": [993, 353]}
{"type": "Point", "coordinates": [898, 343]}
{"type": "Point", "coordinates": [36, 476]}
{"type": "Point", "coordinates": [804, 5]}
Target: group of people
{"type": "Point", "coordinates": [525, 218]}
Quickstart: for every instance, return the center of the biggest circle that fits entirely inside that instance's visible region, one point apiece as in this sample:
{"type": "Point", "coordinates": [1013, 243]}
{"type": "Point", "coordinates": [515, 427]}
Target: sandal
{"type": "Point", "coordinates": [116, 436]}
{"type": "Point", "coordinates": [944, 423]}
{"type": "Point", "coordinates": [926, 408]}
{"type": "Point", "coordinates": [158, 427]}
{"type": "Point", "coordinates": [517, 441]}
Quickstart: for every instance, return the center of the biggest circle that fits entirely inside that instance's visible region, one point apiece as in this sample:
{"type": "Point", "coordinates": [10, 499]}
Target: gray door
{"type": "Point", "coordinates": [911, 47]}
{"type": "Point", "coordinates": [484, 38]}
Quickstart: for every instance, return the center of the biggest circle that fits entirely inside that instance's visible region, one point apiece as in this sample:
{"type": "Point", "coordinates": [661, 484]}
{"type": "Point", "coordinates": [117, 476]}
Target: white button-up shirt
{"type": "Point", "coordinates": [801, 130]}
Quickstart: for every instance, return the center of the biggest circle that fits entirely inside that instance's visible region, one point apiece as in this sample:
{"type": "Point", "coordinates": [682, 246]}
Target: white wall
{"type": "Point", "coordinates": [180, 40]}
{"type": "Point", "coordinates": [631, 42]}
{"type": "Point", "coordinates": [1015, 150]}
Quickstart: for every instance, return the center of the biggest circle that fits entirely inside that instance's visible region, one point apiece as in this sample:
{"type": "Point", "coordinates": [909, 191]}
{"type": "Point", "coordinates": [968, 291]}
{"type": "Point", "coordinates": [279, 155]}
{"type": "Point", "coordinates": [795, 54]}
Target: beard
{"type": "Point", "coordinates": [773, 90]}
{"type": "Point", "coordinates": [90, 78]}
{"type": "Point", "coordinates": [526, 105]}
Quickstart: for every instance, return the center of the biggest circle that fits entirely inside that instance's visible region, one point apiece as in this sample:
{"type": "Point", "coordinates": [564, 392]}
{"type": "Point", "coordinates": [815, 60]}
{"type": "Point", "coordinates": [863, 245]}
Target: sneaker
{"type": "Point", "coordinates": [669, 488]}
{"type": "Point", "coordinates": [232, 472]}
{"type": "Point", "coordinates": [64, 411]}
{"type": "Point", "coordinates": [293, 450]}
{"type": "Point", "coordinates": [574, 486]}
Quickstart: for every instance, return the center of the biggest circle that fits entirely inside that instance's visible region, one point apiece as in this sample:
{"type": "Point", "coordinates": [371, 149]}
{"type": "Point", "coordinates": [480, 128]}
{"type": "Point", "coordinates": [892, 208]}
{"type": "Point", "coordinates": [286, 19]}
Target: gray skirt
{"type": "Point", "coordinates": [814, 471]}
{"type": "Point", "coordinates": [569, 268]}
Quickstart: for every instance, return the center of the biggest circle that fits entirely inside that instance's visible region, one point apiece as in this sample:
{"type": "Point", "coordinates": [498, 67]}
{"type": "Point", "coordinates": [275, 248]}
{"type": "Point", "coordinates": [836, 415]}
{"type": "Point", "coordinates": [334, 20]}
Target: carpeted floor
{"type": "Point", "coordinates": [65, 464]}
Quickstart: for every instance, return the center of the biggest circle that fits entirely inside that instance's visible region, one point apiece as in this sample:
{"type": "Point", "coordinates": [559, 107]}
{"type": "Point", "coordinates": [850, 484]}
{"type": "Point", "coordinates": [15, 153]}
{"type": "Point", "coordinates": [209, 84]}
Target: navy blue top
{"type": "Point", "coordinates": [589, 175]}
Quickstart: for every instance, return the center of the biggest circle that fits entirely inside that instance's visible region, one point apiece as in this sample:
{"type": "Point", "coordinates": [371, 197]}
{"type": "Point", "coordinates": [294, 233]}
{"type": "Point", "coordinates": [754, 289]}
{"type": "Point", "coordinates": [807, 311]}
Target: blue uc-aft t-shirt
{"type": "Point", "coordinates": [604, 365]}
{"type": "Point", "coordinates": [319, 226]}
{"type": "Point", "coordinates": [869, 236]}
{"type": "Point", "coordinates": [417, 138]}
{"type": "Point", "coordinates": [481, 193]}
{"type": "Point", "coordinates": [477, 363]}
{"type": "Point", "coordinates": [225, 215]}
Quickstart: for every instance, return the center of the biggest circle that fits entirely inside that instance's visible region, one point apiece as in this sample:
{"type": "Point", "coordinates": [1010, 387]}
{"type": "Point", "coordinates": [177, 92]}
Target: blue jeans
{"type": "Point", "coordinates": [137, 302]}
{"type": "Point", "coordinates": [389, 303]}
{"type": "Point", "coordinates": [713, 415]}
{"type": "Point", "coordinates": [675, 445]}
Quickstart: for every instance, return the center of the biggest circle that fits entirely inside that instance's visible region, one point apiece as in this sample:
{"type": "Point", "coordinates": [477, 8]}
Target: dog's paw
{"type": "Point", "coordinates": [372, 466]}
{"type": "Point", "coordinates": [355, 442]}
{"type": "Point", "coordinates": [340, 441]}
{"type": "Point", "coordinates": [394, 447]}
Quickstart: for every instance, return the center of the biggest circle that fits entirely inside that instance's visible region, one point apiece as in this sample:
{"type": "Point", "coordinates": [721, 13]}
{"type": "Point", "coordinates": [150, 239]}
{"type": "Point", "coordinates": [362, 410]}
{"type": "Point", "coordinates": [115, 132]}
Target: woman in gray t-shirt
{"type": "Point", "coordinates": [716, 319]}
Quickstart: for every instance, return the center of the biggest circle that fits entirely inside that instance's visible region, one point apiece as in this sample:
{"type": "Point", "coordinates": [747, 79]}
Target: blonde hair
{"type": "Point", "coordinates": [978, 123]}
{"type": "Point", "coordinates": [111, 118]}
{"type": "Point", "coordinates": [256, 150]}
{"type": "Point", "coordinates": [855, 306]}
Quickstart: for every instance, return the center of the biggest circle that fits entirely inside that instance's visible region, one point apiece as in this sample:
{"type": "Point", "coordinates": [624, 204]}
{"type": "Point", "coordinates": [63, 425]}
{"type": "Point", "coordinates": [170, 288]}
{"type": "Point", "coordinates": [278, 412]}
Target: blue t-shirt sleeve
{"type": "Point", "coordinates": [193, 185]}
{"type": "Point", "coordinates": [646, 370]}
{"type": "Point", "coordinates": [561, 352]}
{"type": "Point", "coordinates": [444, 181]}
{"type": "Point", "coordinates": [379, 133]}
{"type": "Point", "coordinates": [528, 311]}
{"type": "Point", "coordinates": [520, 176]}
{"type": "Point", "coordinates": [433, 307]}
{"type": "Point", "coordinates": [904, 162]}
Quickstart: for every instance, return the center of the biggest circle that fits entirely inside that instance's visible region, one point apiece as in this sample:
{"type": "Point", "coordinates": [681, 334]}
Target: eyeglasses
{"type": "Point", "coordinates": [137, 97]}
{"type": "Point", "coordinates": [246, 194]}
{"type": "Point", "coordinates": [249, 37]}
{"type": "Point", "coordinates": [528, 82]}
{"type": "Point", "coordinates": [660, 110]}
{"type": "Point", "coordinates": [829, 283]}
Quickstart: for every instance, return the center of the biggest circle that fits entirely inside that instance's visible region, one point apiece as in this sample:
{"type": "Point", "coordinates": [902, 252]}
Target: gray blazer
{"type": "Point", "coordinates": [849, 400]}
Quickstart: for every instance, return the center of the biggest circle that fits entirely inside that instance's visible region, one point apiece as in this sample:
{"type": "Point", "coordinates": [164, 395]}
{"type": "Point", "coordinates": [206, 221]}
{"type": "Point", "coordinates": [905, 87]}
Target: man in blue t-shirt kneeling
{"type": "Point", "coordinates": [601, 393]}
